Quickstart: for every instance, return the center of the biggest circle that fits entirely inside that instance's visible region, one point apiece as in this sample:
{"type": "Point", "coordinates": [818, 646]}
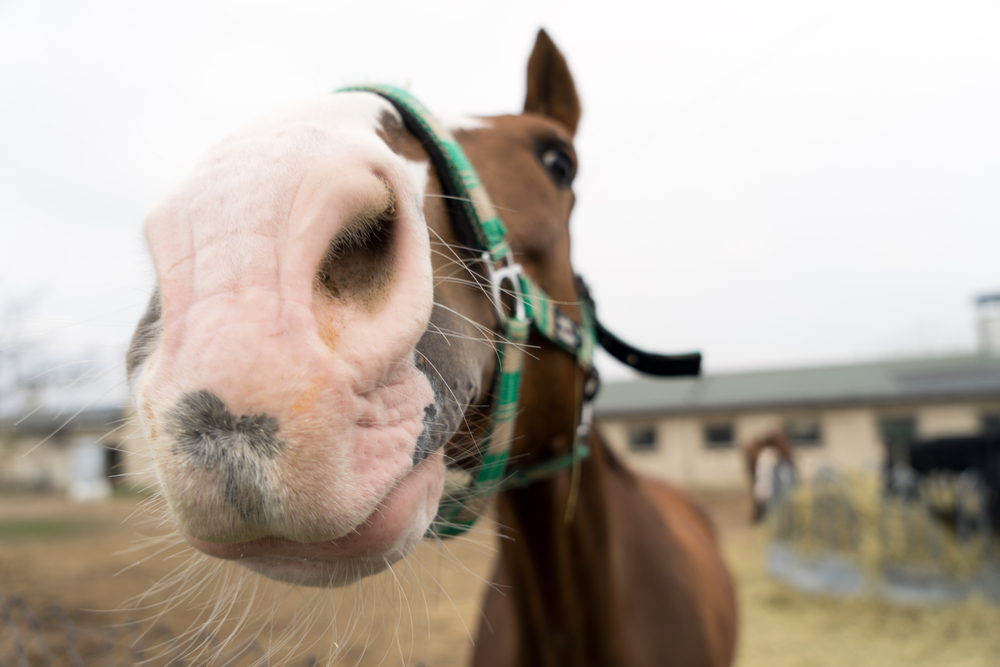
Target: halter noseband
{"type": "Point", "coordinates": [478, 225]}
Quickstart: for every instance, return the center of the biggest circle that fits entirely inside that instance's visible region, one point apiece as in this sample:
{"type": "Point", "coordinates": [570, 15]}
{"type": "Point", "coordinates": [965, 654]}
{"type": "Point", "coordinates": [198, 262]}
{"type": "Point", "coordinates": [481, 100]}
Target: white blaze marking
{"type": "Point", "coordinates": [456, 122]}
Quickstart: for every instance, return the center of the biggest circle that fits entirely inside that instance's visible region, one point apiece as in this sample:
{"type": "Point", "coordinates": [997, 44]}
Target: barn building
{"type": "Point", "coordinates": [851, 416]}
{"type": "Point", "coordinates": [86, 454]}
{"type": "Point", "coordinates": [689, 431]}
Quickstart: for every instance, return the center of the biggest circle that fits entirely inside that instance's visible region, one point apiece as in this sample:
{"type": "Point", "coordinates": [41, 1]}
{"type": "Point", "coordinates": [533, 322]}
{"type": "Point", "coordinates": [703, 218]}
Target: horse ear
{"type": "Point", "coordinates": [551, 91]}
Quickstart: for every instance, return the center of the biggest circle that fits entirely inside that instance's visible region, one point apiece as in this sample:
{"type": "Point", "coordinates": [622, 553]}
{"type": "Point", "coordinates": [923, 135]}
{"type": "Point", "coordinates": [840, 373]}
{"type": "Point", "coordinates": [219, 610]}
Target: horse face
{"type": "Point", "coordinates": [527, 163]}
{"type": "Point", "coordinates": [318, 342]}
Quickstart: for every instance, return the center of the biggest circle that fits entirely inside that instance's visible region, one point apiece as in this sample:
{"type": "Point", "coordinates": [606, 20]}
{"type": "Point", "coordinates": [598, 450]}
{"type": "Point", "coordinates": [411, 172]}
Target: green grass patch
{"type": "Point", "coordinates": [41, 529]}
{"type": "Point", "coordinates": [127, 492]}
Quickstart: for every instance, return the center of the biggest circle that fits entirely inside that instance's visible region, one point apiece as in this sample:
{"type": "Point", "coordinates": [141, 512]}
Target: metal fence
{"type": "Point", "coordinates": [907, 538]}
{"type": "Point", "coordinates": [50, 638]}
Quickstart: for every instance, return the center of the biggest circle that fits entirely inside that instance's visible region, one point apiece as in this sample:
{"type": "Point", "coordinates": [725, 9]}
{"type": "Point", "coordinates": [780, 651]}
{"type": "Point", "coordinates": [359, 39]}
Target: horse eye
{"type": "Point", "coordinates": [559, 165]}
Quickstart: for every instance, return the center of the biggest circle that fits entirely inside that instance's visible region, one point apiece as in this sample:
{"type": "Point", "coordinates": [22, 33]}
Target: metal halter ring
{"type": "Point", "coordinates": [510, 272]}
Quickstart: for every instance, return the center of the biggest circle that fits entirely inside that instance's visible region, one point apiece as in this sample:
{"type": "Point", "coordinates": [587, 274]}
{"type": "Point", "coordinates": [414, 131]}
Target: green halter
{"type": "Point", "coordinates": [466, 495]}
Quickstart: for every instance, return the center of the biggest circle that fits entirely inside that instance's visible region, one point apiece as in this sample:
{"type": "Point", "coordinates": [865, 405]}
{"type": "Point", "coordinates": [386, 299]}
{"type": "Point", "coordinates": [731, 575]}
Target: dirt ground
{"type": "Point", "coordinates": [100, 562]}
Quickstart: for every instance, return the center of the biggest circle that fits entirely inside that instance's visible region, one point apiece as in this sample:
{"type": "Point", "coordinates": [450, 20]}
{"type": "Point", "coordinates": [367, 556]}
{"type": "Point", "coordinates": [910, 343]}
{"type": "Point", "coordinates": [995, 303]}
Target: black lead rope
{"type": "Point", "coordinates": [663, 365]}
{"type": "Point", "coordinates": [650, 363]}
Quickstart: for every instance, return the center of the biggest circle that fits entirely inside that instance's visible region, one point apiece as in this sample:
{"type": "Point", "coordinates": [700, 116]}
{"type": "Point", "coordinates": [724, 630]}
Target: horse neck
{"type": "Point", "coordinates": [559, 563]}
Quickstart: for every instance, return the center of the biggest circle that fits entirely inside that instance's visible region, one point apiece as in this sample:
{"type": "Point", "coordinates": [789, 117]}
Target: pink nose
{"type": "Point", "coordinates": [251, 348]}
{"type": "Point", "coordinates": [282, 398]}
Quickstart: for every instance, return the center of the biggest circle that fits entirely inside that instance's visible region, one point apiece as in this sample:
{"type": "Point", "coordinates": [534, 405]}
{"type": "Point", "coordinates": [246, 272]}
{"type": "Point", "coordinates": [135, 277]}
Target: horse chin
{"type": "Point", "coordinates": [388, 534]}
{"type": "Point", "coordinates": [316, 573]}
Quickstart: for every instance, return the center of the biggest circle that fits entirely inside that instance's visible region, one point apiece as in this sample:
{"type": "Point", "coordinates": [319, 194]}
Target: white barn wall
{"type": "Point", "coordinates": [752, 425]}
{"type": "Point", "coordinates": [936, 421]}
{"type": "Point", "coordinates": [43, 460]}
{"type": "Point", "coordinates": [851, 440]}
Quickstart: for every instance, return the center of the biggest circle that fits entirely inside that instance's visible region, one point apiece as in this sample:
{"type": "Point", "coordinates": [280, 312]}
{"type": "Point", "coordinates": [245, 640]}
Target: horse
{"type": "Point", "coordinates": [770, 464]}
{"type": "Point", "coordinates": [325, 353]}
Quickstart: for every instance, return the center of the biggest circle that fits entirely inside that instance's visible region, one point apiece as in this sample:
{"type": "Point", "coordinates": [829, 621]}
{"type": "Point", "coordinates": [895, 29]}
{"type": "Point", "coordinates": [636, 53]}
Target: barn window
{"type": "Point", "coordinates": [804, 431]}
{"type": "Point", "coordinates": [719, 435]}
{"type": "Point", "coordinates": [897, 434]}
{"type": "Point", "coordinates": [114, 467]}
{"type": "Point", "coordinates": [990, 423]}
{"type": "Point", "coordinates": [642, 439]}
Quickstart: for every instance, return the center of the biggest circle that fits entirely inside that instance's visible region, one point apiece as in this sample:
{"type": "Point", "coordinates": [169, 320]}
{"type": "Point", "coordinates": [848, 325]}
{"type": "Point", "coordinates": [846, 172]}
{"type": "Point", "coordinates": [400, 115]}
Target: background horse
{"type": "Point", "coordinates": [767, 456]}
{"type": "Point", "coordinates": [319, 353]}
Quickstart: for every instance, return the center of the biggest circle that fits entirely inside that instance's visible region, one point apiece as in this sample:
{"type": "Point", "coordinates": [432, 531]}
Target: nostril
{"type": "Point", "coordinates": [357, 265]}
{"type": "Point", "coordinates": [368, 231]}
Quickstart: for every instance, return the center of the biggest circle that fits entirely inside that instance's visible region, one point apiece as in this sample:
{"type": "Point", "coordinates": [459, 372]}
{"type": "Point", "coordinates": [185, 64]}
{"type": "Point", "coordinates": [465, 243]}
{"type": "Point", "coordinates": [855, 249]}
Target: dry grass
{"type": "Point", "coordinates": [782, 627]}
{"type": "Point", "coordinates": [428, 616]}
{"type": "Point", "coordinates": [424, 611]}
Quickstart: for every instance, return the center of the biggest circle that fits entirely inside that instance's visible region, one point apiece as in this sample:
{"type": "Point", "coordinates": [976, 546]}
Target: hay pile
{"type": "Point", "coordinates": [847, 516]}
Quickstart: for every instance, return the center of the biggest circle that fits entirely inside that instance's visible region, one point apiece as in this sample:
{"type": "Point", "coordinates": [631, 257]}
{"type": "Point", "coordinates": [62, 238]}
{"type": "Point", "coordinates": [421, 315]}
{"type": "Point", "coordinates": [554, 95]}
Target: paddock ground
{"type": "Point", "coordinates": [87, 559]}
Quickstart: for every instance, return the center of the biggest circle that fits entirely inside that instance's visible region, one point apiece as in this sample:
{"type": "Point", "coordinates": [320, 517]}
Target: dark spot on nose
{"type": "Point", "coordinates": [205, 431]}
{"type": "Point", "coordinates": [207, 435]}
{"type": "Point", "coordinates": [429, 439]}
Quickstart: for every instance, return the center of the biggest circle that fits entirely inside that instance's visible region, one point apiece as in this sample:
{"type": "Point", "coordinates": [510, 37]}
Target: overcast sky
{"type": "Point", "coordinates": [775, 183]}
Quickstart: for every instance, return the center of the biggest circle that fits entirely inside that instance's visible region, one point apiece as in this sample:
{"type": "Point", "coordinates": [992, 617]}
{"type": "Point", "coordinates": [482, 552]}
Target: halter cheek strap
{"type": "Point", "coordinates": [477, 223]}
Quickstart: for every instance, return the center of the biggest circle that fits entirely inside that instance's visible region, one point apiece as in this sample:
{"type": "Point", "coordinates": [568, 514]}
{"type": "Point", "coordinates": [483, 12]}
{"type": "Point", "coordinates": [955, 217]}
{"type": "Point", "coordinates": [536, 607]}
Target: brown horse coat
{"type": "Point", "coordinates": [634, 576]}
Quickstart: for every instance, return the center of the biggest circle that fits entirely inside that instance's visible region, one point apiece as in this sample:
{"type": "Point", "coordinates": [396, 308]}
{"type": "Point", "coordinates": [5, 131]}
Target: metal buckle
{"type": "Point", "coordinates": [591, 386]}
{"type": "Point", "coordinates": [510, 272]}
{"type": "Point", "coordinates": [566, 331]}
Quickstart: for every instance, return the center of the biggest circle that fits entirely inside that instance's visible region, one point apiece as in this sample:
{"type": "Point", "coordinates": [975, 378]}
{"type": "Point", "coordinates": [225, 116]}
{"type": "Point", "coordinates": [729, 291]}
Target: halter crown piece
{"type": "Point", "coordinates": [475, 218]}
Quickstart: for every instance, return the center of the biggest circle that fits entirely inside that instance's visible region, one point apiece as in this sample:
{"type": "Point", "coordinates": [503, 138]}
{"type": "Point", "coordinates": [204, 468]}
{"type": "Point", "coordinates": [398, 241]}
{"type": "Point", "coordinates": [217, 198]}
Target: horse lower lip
{"type": "Point", "coordinates": [381, 533]}
{"type": "Point", "coordinates": [272, 547]}
{"type": "Point", "coordinates": [323, 564]}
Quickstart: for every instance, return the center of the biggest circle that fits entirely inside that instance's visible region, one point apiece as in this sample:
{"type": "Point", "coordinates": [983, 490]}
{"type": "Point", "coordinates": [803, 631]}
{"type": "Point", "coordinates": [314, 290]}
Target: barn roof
{"type": "Point", "coordinates": [898, 381]}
